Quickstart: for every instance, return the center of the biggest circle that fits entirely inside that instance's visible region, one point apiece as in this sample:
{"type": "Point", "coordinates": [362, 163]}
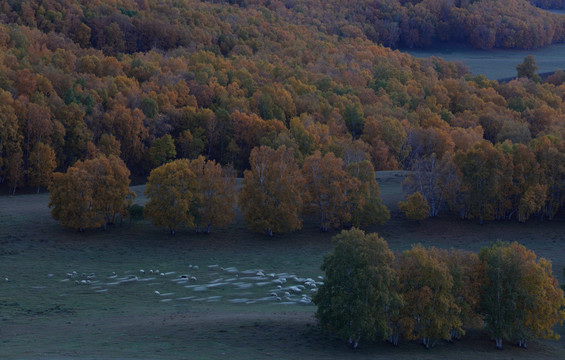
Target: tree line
{"type": "Point", "coordinates": [431, 294]}
{"type": "Point", "coordinates": [199, 194]}
{"type": "Point", "coordinates": [131, 26]}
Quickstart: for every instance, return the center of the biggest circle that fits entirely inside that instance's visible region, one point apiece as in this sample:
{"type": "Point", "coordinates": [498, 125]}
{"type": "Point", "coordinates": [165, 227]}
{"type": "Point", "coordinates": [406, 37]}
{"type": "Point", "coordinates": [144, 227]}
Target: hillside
{"type": "Point", "coordinates": [112, 77]}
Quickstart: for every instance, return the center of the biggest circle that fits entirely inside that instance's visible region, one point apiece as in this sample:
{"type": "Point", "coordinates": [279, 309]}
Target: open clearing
{"type": "Point", "coordinates": [83, 296]}
{"type": "Point", "coordinates": [494, 63]}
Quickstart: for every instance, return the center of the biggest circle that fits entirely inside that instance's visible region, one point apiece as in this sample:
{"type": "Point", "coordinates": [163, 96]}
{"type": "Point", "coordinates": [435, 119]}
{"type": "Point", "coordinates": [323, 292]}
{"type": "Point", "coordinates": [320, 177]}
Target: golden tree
{"type": "Point", "coordinates": [520, 298]}
{"type": "Point", "coordinates": [41, 165]}
{"type": "Point", "coordinates": [71, 200]}
{"type": "Point", "coordinates": [91, 193]}
{"type": "Point", "coordinates": [217, 193]}
{"type": "Point", "coordinates": [111, 192]}
{"type": "Point", "coordinates": [172, 190]}
{"type": "Point", "coordinates": [270, 197]}
{"type": "Point", "coordinates": [415, 207]}
{"type": "Point", "coordinates": [329, 189]}
{"type": "Point", "coordinates": [425, 284]}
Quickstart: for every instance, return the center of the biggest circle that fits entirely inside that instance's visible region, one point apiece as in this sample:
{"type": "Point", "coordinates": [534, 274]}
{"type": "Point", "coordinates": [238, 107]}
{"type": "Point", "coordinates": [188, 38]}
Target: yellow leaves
{"type": "Point", "coordinates": [426, 284]}
{"type": "Point", "coordinates": [41, 165]}
{"type": "Point", "coordinates": [329, 189]}
{"type": "Point", "coordinates": [216, 194]}
{"type": "Point", "coordinates": [171, 189]}
{"type": "Point", "coordinates": [270, 198]}
{"type": "Point", "coordinates": [415, 207]}
{"type": "Point", "coordinates": [91, 193]}
{"type": "Point", "coordinates": [192, 194]}
{"type": "Point", "coordinates": [520, 297]}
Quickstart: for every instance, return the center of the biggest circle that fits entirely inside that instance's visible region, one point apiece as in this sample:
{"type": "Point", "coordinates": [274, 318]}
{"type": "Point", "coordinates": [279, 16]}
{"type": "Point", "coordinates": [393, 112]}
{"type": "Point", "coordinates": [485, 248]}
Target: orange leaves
{"type": "Point", "coordinates": [425, 284]}
{"type": "Point", "coordinates": [91, 193]}
{"type": "Point", "coordinates": [197, 194]}
{"type": "Point", "coordinates": [415, 207]}
{"type": "Point", "coordinates": [520, 298]}
{"type": "Point", "coordinates": [270, 197]}
{"type": "Point", "coordinates": [217, 193]}
{"type": "Point", "coordinates": [171, 189]}
{"type": "Point", "coordinates": [329, 190]}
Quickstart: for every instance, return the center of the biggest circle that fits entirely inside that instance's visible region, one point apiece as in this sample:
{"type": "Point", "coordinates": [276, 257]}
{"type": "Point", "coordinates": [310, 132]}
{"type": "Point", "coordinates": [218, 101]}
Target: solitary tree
{"type": "Point", "coordinates": [358, 294]}
{"type": "Point", "coordinates": [528, 68]}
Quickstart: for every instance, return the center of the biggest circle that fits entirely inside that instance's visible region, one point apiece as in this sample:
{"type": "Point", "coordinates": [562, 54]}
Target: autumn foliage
{"type": "Point", "coordinates": [428, 294]}
{"type": "Point", "coordinates": [92, 193]}
{"type": "Point", "coordinates": [196, 194]}
{"type": "Point", "coordinates": [271, 197]}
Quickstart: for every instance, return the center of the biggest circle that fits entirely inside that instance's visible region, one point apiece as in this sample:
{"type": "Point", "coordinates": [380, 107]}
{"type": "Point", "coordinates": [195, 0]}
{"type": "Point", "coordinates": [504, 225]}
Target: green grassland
{"type": "Point", "coordinates": [228, 310]}
{"type": "Point", "coordinates": [495, 63]}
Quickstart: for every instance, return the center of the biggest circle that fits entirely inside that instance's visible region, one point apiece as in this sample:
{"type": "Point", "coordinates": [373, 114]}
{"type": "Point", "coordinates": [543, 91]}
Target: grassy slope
{"type": "Point", "coordinates": [45, 317]}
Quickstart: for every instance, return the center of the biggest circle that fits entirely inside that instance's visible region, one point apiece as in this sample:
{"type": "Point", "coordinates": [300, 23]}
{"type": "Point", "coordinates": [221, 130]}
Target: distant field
{"type": "Point", "coordinates": [228, 310]}
{"type": "Point", "coordinates": [495, 63]}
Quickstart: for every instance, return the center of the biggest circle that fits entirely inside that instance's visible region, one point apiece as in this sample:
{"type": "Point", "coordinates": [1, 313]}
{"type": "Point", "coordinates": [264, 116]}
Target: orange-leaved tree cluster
{"type": "Point", "coordinates": [92, 193]}
{"type": "Point", "coordinates": [196, 194]}
{"type": "Point", "coordinates": [276, 192]}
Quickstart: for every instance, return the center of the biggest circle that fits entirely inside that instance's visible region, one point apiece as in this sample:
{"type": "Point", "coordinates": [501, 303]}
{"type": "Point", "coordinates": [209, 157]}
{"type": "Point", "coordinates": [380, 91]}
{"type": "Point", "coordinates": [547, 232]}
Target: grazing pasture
{"type": "Point", "coordinates": [495, 63]}
{"type": "Point", "coordinates": [231, 294]}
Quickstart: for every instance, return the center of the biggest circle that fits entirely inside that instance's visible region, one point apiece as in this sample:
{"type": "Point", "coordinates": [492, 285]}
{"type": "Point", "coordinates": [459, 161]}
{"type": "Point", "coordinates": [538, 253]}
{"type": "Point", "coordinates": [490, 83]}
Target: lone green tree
{"type": "Point", "coordinates": [162, 150]}
{"type": "Point", "coordinates": [528, 68]}
{"type": "Point", "coordinates": [358, 293]}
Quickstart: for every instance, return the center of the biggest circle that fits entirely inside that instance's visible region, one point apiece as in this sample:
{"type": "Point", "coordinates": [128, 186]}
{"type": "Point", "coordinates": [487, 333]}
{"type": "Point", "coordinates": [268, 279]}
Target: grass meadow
{"type": "Point", "coordinates": [495, 63]}
{"type": "Point", "coordinates": [110, 310]}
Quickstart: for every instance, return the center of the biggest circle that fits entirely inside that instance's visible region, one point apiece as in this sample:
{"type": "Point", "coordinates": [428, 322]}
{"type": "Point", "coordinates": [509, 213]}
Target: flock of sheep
{"type": "Point", "coordinates": [251, 286]}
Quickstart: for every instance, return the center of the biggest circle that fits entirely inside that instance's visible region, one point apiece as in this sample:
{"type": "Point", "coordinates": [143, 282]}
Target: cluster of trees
{"type": "Point", "coordinates": [431, 294]}
{"type": "Point", "coordinates": [200, 194]}
{"type": "Point", "coordinates": [197, 194]}
{"type": "Point", "coordinates": [252, 74]}
{"type": "Point", "coordinates": [91, 193]}
{"type": "Point", "coordinates": [484, 24]}
{"type": "Point", "coordinates": [276, 191]}
{"type": "Point", "coordinates": [130, 26]}
{"type": "Point", "coordinates": [488, 182]}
